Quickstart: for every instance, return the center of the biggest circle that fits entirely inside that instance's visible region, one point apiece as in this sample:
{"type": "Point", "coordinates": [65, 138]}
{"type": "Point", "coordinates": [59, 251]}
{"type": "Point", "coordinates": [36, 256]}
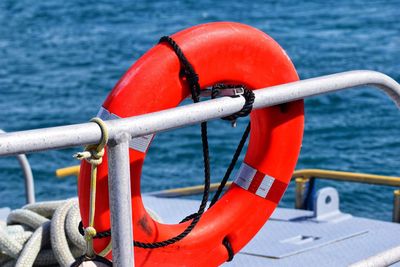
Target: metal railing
{"type": "Point", "coordinates": [122, 130]}
{"type": "Point", "coordinates": [28, 176]}
{"type": "Point", "coordinates": [301, 177]}
{"type": "Point", "coordinates": [304, 185]}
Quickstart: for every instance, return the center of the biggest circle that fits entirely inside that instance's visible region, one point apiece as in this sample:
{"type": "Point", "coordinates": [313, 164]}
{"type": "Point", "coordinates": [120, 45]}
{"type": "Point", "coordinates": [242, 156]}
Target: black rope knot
{"type": "Point", "coordinates": [247, 94]}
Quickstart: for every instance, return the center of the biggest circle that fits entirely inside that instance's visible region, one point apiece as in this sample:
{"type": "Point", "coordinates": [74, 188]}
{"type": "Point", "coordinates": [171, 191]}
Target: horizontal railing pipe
{"type": "Point", "coordinates": [304, 174]}
{"type": "Point", "coordinates": [362, 178]}
{"type": "Point", "coordinates": [89, 133]}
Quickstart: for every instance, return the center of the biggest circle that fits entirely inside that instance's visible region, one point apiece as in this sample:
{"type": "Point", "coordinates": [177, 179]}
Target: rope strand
{"type": "Point", "coordinates": [231, 166]}
{"type": "Point", "coordinates": [194, 87]}
{"type": "Point", "coordinates": [93, 154]}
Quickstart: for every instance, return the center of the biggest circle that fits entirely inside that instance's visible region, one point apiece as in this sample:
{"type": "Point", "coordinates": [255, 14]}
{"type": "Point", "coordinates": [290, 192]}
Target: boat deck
{"type": "Point", "coordinates": [297, 238]}
{"type": "Point", "coordinates": [294, 237]}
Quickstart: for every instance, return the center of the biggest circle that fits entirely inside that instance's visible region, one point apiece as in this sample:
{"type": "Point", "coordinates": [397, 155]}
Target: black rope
{"type": "Point", "coordinates": [191, 76]}
{"type": "Point", "coordinates": [194, 87]}
{"type": "Point", "coordinates": [228, 247]}
{"type": "Point", "coordinates": [193, 81]}
{"type": "Point", "coordinates": [247, 94]}
{"type": "Point", "coordinates": [81, 229]}
{"type": "Point", "coordinates": [231, 166]}
{"type": "Point", "coordinates": [247, 107]}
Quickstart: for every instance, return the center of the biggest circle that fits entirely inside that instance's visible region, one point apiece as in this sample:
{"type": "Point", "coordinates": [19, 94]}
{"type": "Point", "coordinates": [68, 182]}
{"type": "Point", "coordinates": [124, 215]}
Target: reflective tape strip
{"type": "Point", "coordinates": [257, 182]}
{"type": "Point", "coordinates": [245, 176]}
{"type": "Point", "coordinates": [265, 186]}
{"type": "Point", "coordinates": [139, 143]}
{"type": "Point", "coordinates": [105, 115]}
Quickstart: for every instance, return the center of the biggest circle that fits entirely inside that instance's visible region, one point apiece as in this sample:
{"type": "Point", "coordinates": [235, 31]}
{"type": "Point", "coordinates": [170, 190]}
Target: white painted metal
{"type": "Point", "coordinates": [326, 206]}
{"type": "Point", "coordinates": [121, 130]}
{"type": "Point", "coordinates": [119, 186]}
{"type": "Point", "coordinates": [89, 133]}
{"type": "Point", "coordinates": [386, 258]}
{"type": "Point", "coordinates": [29, 183]}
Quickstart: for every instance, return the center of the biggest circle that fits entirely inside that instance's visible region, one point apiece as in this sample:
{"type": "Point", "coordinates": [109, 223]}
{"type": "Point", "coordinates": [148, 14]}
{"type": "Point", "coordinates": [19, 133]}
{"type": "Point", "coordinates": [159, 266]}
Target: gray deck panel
{"type": "Point", "coordinates": [4, 213]}
{"type": "Point", "coordinates": [340, 244]}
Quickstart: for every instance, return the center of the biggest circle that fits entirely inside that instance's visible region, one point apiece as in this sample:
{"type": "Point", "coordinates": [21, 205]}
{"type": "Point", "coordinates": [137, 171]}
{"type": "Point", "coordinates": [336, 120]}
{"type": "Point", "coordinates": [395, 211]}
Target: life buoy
{"type": "Point", "coordinates": [220, 52]}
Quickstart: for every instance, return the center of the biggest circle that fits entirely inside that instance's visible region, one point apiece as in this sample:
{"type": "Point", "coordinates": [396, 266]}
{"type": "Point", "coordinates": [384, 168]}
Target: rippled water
{"type": "Point", "coordinates": [59, 60]}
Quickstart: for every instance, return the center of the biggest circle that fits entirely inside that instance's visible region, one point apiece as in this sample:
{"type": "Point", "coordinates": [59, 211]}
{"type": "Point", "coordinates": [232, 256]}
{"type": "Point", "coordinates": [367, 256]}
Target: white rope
{"type": "Point", "coordinates": [58, 238]}
{"type": "Point", "coordinates": [42, 234]}
{"type": "Point", "coordinates": [39, 239]}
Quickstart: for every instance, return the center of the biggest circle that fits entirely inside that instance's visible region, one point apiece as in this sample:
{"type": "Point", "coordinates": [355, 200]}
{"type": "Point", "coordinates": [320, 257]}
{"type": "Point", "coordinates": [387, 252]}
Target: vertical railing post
{"type": "Point", "coordinates": [396, 206]}
{"type": "Point", "coordinates": [119, 186]}
{"type": "Point", "coordinates": [301, 186]}
{"type": "Point", "coordinates": [29, 183]}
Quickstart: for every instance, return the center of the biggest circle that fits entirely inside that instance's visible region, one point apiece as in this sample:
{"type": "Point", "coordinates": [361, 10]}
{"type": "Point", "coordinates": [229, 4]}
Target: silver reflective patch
{"type": "Point", "coordinates": [265, 186]}
{"type": "Point", "coordinates": [245, 176]}
{"type": "Point", "coordinates": [139, 143]}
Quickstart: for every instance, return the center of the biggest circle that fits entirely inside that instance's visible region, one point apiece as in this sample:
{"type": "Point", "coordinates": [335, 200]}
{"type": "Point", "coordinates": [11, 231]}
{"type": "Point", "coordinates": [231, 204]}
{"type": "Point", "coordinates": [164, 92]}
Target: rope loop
{"type": "Point", "coordinates": [247, 94]}
{"type": "Point", "coordinates": [93, 154]}
{"type": "Point", "coordinates": [229, 249]}
{"type": "Point", "coordinates": [192, 77]}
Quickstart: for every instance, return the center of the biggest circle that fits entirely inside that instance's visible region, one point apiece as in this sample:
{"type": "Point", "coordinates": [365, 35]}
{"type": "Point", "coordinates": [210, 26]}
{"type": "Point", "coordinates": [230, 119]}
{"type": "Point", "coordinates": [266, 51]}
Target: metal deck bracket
{"type": "Point", "coordinates": [326, 203]}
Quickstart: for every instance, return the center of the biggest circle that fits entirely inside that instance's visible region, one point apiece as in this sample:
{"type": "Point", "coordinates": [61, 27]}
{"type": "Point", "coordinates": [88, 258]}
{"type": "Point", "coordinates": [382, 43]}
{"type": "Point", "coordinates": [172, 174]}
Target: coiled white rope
{"type": "Point", "coordinates": [42, 234]}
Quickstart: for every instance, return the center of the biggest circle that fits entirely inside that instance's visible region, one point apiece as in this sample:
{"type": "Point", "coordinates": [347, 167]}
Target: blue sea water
{"type": "Point", "coordinates": [59, 60]}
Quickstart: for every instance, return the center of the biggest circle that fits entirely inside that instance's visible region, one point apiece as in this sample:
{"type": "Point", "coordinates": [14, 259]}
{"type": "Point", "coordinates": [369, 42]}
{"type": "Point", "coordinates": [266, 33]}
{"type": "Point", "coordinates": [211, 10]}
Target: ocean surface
{"type": "Point", "coordinates": [60, 59]}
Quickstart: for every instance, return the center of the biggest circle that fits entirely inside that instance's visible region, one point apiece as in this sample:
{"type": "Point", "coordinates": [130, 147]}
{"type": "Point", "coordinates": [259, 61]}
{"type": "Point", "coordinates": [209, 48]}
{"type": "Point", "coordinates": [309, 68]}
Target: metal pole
{"type": "Point", "coordinates": [396, 206]}
{"type": "Point", "coordinates": [383, 259]}
{"type": "Point", "coordinates": [29, 184]}
{"type": "Point", "coordinates": [301, 185]}
{"type": "Point", "coordinates": [90, 133]}
{"type": "Point", "coordinates": [119, 186]}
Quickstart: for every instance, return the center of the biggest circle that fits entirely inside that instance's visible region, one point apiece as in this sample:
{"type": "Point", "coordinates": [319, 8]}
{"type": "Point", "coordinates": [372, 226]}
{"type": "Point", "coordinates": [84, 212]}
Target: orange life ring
{"type": "Point", "coordinates": [220, 52]}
